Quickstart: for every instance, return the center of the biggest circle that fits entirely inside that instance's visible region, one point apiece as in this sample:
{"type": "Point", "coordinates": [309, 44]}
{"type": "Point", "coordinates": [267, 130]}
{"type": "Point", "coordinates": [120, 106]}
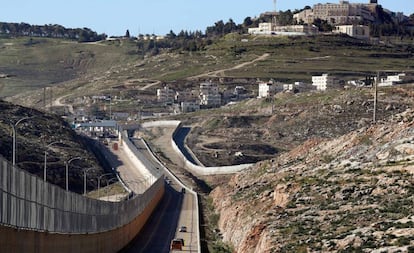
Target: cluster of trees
{"type": "Point", "coordinates": [385, 25]}
{"type": "Point", "coordinates": [50, 31]}
{"type": "Point", "coordinates": [183, 41]}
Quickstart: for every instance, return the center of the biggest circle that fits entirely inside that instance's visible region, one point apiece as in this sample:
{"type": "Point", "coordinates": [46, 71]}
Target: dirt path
{"type": "Point", "coordinates": [150, 85]}
{"type": "Point", "coordinates": [58, 102]}
{"type": "Point", "coordinates": [221, 72]}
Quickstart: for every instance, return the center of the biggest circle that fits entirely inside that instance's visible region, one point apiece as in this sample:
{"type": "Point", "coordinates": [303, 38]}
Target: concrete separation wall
{"type": "Point", "coordinates": [29, 241]}
{"type": "Point", "coordinates": [199, 170]}
{"type": "Point", "coordinates": [36, 216]}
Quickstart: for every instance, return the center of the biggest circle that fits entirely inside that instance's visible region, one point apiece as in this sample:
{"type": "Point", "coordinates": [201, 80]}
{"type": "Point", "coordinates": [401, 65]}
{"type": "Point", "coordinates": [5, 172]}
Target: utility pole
{"type": "Point", "coordinates": [44, 98]}
{"type": "Point", "coordinates": [374, 118]}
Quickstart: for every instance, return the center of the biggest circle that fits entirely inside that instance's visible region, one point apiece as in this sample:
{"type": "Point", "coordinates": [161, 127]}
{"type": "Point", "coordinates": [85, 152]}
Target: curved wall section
{"type": "Point", "coordinates": [39, 217]}
{"type": "Point", "coordinates": [29, 241]}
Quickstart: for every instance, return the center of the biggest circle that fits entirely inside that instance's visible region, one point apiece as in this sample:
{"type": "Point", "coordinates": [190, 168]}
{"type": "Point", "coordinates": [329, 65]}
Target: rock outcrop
{"type": "Point", "coordinates": [353, 193]}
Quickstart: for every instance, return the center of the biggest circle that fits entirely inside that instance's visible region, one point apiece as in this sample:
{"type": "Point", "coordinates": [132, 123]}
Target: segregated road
{"type": "Point", "coordinates": [176, 208]}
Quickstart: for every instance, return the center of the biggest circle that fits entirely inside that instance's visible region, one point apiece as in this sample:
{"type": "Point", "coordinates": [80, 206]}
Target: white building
{"type": "Point", "coordinates": [323, 82]}
{"type": "Point", "coordinates": [209, 94]}
{"type": "Point", "coordinates": [165, 95]}
{"type": "Point", "coordinates": [288, 87]}
{"type": "Point", "coordinates": [266, 90]}
{"type": "Point", "coordinates": [305, 16]}
{"type": "Point", "coordinates": [343, 12]}
{"type": "Point", "coordinates": [391, 80]}
{"type": "Point", "coordinates": [356, 31]}
{"type": "Point", "coordinates": [289, 30]}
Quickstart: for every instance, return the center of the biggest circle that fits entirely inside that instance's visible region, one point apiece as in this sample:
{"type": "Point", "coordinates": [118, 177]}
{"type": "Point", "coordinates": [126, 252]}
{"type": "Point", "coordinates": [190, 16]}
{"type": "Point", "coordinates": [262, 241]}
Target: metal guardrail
{"type": "Point", "coordinates": [27, 202]}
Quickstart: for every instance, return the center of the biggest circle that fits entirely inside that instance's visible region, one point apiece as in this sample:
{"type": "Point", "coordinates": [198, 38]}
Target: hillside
{"type": "Point", "coordinates": [322, 164]}
{"type": "Point", "coordinates": [33, 135]}
{"type": "Point", "coordinates": [260, 132]}
{"type": "Point", "coordinates": [353, 193]}
{"type": "Point", "coordinates": [122, 67]}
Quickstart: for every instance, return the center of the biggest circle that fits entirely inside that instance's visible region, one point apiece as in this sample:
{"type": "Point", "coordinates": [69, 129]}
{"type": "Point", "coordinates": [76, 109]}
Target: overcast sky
{"type": "Point", "coordinates": [152, 16]}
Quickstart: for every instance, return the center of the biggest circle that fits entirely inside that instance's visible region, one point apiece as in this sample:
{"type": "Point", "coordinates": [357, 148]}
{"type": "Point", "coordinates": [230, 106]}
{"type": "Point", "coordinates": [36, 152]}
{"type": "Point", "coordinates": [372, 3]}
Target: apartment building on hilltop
{"type": "Point", "coordinates": [343, 12]}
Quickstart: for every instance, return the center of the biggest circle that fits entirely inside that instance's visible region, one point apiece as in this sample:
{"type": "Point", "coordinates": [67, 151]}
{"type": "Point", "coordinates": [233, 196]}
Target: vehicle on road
{"type": "Point", "coordinates": [177, 243]}
{"type": "Point", "coordinates": [183, 229]}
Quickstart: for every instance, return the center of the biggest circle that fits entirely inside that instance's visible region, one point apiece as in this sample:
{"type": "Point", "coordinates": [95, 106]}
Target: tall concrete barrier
{"type": "Point", "coordinates": [199, 170]}
{"type": "Point", "coordinates": [36, 216]}
{"type": "Point", "coordinates": [18, 240]}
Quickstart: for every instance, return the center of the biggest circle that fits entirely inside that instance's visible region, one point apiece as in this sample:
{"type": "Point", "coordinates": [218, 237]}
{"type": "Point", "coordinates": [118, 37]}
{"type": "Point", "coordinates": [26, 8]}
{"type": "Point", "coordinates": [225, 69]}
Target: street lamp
{"type": "Point", "coordinates": [107, 183]}
{"type": "Point", "coordinates": [84, 178]}
{"type": "Point", "coordinates": [14, 137]}
{"type": "Point", "coordinates": [67, 170]}
{"type": "Point", "coordinates": [99, 182]}
{"type": "Point", "coordinates": [45, 162]}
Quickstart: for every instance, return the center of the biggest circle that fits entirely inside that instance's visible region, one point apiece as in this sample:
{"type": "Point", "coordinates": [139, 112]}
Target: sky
{"type": "Point", "coordinates": [114, 17]}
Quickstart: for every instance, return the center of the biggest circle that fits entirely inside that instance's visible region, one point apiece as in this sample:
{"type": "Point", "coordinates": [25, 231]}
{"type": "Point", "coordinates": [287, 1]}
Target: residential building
{"type": "Point", "coordinates": [185, 95]}
{"type": "Point", "coordinates": [305, 16]}
{"type": "Point", "coordinates": [392, 80]}
{"type": "Point", "coordinates": [289, 30]}
{"type": "Point", "coordinates": [239, 90]}
{"type": "Point", "coordinates": [165, 95]}
{"type": "Point", "coordinates": [266, 90]}
{"type": "Point", "coordinates": [288, 87]}
{"type": "Point", "coordinates": [209, 94]}
{"type": "Point", "coordinates": [356, 31]}
{"type": "Point", "coordinates": [323, 82]}
{"type": "Point", "coordinates": [343, 12]}
{"type": "Point", "coordinates": [190, 106]}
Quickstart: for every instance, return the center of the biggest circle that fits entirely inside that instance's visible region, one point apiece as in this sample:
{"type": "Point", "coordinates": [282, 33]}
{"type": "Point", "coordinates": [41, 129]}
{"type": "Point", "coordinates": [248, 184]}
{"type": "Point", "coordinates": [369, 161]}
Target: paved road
{"type": "Point", "coordinates": [188, 215]}
{"type": "Point", "coordinates": [176, 209]}
{"type": "Point", "coordinates": [127, 170]}
{"type": "Point", "coordinates": [161, 227]}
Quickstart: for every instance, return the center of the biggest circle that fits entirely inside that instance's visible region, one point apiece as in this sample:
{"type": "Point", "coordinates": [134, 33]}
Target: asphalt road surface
{"type": "Point", "coordinates": [160, 228]}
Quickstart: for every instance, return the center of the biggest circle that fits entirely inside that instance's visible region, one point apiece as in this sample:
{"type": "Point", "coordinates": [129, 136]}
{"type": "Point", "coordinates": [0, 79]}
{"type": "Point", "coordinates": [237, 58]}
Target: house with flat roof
{"type": "Point", "coordinates": [356, 31]}
{"type": "Point", "coordinates": [209, 94]}
{"type": "Point", "coordinates": [323, 82]}
{"type": "Point", "coordinates": [266, 89]}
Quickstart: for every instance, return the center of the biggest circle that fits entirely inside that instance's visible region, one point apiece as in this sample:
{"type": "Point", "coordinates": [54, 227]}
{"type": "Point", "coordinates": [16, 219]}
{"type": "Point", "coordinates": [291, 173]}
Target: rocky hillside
{"type": "Point", "coordinates": [252, 131]}
{"type": "Point", "coordinates": [38, 130]}
{"type": "Point", "coordinates": [349, 194]}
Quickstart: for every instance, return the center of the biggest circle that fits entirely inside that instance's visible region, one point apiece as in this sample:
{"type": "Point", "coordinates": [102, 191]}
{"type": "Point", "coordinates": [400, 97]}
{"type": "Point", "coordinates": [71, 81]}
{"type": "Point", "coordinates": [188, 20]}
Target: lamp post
{"type": "Point", "coordinates": [99, 182]}
{"type": "Point", "coordinates": [107, 183]}
{"type": "Point", "coordinates": [14, 137]}
{"type": "Point", "coordinates": [84, 178]}
{"type": "Point", "coordinates": [45, 162]}
{"type": "Point", "coordinates": [67, 170]}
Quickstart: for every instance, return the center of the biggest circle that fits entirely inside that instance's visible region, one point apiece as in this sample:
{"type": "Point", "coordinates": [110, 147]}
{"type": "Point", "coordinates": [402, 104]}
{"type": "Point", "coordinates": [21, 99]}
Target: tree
{"type": "Point", "coordinates": [247, 22]}
{"type": "Point", "coordinates": [285, 18]}
{"type": "Point", "coordinates": [127, 35]}
{"type": "Point", "coordinates": [171, 35]}
{"type": "Point", "coordinates": [323, 25]}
